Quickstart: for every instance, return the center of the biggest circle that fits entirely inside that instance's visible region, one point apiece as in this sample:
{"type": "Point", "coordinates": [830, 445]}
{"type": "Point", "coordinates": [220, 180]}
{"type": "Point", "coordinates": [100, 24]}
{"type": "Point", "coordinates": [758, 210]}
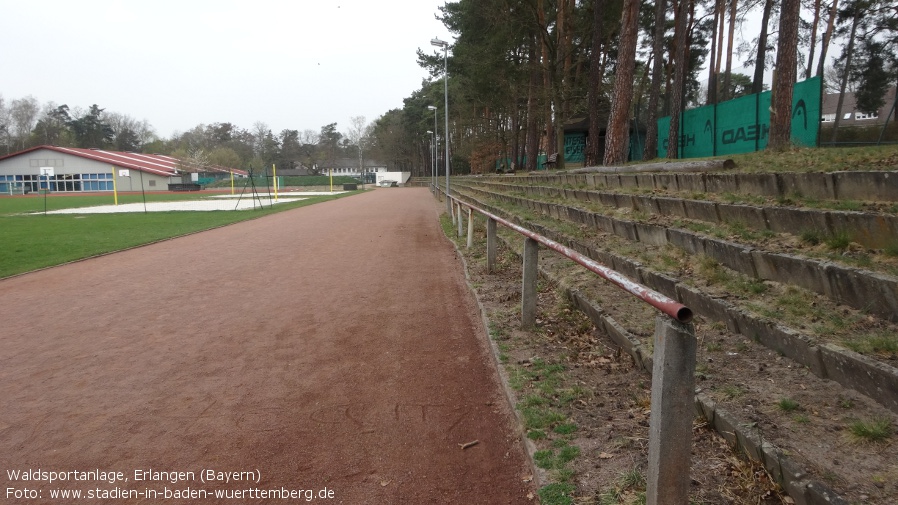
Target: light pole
{"type": "Point", "coordinates": [436, 144]}
{"type": "Point", "coordinates": [433, 149]}
{"type": "Point", "coordinates": [445, 45]}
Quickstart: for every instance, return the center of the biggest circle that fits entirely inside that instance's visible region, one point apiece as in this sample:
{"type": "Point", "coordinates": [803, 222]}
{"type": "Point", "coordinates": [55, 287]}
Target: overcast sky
{"type": "Point", "coordinates": [297, 64]}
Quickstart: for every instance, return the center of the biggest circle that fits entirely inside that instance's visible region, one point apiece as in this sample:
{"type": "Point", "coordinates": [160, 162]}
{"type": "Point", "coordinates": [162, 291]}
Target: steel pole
{"type": "Point", "coordinates": [436, 151]}
{"type": "Point", "coordinates": [446, 115]}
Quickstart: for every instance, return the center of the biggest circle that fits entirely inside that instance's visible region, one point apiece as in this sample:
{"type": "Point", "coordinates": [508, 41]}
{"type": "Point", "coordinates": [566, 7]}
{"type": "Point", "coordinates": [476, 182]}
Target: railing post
{"type": "Point", "coordinates": [670, 423]}
{"type": "Point", "coordinates": [460, 224]}
{"type": "Point", "coordinates": [490, 245]}
{"type": "Point", "coordinates": [452, 209]}
{"type": "Point", "coordinates": [528, 288]}
{"type": "Point", "coordinates": [470, 227]}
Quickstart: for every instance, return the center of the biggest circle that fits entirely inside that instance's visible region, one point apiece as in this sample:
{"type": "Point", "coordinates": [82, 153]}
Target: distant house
{"type": "Point", "coordinates": [75, 170]}
{"type": "Point", "coordinates": [350, 167]}
{"type": "Point", "coordinates": [851, 116]}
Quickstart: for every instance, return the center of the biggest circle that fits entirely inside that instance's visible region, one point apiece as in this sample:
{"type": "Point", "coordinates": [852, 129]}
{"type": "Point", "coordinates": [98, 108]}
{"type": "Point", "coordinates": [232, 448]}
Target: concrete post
{"type": "Point", "coordinates": [670, 423]}
{"type": "Point", "coordinates": [470, 228]}
{"type": "Point", "coordinates": [452, 209]}
{"type": "Point", "coordinates": [460, 224]}
{"type": "Point", "coordinates": [528, 288]}
{"type": "Point", "coordinates": [491, 242]}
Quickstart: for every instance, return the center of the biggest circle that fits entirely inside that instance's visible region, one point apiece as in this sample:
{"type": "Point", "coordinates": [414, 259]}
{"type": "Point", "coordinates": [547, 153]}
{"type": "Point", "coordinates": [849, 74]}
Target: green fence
{"type": "Point", "coordinates": [742, 125]}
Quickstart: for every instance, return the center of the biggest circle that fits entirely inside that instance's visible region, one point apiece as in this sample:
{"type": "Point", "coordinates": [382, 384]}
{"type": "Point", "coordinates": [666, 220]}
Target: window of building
{"type": "Point", "coordinates": [828, 118]}
{"type": "Point", "coordinates": [860, 116]}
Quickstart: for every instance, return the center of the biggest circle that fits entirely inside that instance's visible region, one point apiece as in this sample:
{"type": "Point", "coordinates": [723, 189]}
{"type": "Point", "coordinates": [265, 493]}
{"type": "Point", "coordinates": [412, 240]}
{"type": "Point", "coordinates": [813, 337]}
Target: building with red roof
{"type": "Point", "coordinates": [75, 170]}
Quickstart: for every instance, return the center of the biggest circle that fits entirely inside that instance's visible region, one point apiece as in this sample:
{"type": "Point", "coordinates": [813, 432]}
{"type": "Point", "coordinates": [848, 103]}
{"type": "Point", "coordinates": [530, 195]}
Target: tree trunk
{"type": "Point", "coordinates": [813, 44]}
{"type": "Point", "coordinates": [712, 70]}
{"type": "Point", "coordinates": [729, 70]}
{"type": "Point", "coordinates": [533, 106]}
{"type": "Point", "coordinates": [617, 137]}
{"type": "Point", "coordinates": [651, 135]}
{"type": "Point", "coordinates": [827, 36]}
{"type": "Point", "coordinates": [786, 71]}
{"type": "Point", "coordinates": [679, 85]}
{"type": "Point", "coordinates": [757, 84]}
{"type": "Point", "coordinates": [593, 147]}
{"type": "Point", "coordinates": [547, 66]}
{"type": "Point", "coordinates": [720, 9]}
{"type": "Point", "coordinates": [849, 54]}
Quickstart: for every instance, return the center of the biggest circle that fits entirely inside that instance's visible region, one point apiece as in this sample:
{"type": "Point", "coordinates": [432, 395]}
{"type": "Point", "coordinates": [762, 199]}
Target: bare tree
{"type": "Point", "coordinates": [259, 131]}
{"type": "Point", "coordinates": [731, 35]}
{"type": "Point", "coordinates": [827, 36]}
{"type": "Point", "coordinates": [855, 11]}
{"type": "Point", "coordinates": [356, 135]}
{"type": "Point", "coordinates": [784, 81]}
{"type": "Point", "coordinates": [813, 41]}
{"type": "Point", "coordinates": [5, 124]}
{"type": "Point", "coordinates": [23, 112]}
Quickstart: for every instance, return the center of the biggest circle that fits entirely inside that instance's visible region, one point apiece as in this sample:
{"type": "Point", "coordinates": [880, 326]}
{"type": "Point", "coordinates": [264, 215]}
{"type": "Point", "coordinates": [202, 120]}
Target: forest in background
{"type": "Point", "coordinates": [518, 70]}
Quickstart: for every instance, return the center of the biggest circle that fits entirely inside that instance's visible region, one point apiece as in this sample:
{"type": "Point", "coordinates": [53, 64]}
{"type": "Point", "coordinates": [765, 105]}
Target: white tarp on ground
{"type": "Point", "coordinates": [230, 203]}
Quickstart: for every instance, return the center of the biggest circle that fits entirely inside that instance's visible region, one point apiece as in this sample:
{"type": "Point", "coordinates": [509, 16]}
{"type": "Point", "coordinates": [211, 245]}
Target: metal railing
{"type": "Point", "coordinates": [673, 362]}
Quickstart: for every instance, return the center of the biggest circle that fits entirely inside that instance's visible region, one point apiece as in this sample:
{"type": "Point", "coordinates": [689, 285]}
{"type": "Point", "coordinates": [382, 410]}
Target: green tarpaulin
{"type": "Point", "coordinates": [742, 125]}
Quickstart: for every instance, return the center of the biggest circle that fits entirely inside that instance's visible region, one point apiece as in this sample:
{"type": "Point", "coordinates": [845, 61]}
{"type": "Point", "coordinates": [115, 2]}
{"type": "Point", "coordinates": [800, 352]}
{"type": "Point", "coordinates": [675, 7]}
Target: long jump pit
{"type": "Point", "coordinates": [331, 354]}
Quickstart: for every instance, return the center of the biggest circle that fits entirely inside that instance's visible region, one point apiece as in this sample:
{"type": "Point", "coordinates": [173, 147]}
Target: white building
{"type": "Point", "coordinates": [75, 170]}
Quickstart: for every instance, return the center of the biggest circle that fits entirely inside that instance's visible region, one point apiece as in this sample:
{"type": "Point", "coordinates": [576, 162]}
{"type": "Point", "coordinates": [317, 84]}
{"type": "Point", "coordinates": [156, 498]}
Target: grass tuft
{"type": "Point", "coordinates": [875, 430]}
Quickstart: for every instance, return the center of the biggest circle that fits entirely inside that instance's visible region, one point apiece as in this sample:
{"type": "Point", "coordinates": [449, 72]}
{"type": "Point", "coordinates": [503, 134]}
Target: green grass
{"type": "Point", "coordinates": [871, 431]}
{"type": "Point", "coordinates": [881, 343]}
{"type": "Point", "coordinates": [558, 493]}
{"type": "Point", "coordinates": [30, 242]}
{"type": "Point", "coordinates": [787, 405]}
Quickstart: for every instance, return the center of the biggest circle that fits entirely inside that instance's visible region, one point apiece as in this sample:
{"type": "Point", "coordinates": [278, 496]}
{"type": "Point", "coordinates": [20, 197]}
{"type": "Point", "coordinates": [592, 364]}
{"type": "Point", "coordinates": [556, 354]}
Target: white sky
{"type": "Point", "coordinates": [297, 64]}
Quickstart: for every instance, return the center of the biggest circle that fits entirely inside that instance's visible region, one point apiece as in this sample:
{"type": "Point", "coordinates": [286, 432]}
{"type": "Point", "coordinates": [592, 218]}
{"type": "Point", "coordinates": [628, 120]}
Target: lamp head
{"type": "Point", "coordinates": [432, 107]}
{"type": "Point", "coordinates": [439, 43]}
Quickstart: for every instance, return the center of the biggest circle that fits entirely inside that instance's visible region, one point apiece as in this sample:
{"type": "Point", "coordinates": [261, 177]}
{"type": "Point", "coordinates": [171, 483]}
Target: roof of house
{"type": "Point", "coordinates": [156, 164]}
{"type": "Point", "coordinates": [849, 103]}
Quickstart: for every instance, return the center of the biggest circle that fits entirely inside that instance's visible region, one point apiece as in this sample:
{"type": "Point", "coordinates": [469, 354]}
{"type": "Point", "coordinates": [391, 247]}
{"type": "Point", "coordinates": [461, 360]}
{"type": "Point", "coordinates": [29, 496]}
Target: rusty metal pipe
{"type": "Point", "coordinates": [666, 305]}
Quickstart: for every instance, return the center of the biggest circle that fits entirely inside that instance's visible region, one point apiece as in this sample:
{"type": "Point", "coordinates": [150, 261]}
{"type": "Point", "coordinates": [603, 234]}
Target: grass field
{"type": "Point", "coordinates": [31, 241]}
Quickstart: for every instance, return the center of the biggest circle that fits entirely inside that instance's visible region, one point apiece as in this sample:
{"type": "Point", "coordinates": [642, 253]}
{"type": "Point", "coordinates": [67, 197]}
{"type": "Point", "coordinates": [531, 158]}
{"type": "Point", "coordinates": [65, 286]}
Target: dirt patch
{"type": "Point", "coordinates": [574, 388]}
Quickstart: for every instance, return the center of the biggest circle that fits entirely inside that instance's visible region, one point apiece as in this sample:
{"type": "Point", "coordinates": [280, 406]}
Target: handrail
{"type": "Point", "coordinates": [666, 305]}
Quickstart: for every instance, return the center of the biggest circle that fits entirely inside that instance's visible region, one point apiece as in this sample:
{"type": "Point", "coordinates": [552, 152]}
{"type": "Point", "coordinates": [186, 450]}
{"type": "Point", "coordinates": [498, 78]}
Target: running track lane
{"type": "Point", "coordinates": [333, 346]}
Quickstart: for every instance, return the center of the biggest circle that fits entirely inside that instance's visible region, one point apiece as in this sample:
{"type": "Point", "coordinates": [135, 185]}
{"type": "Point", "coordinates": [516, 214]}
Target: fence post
{"type": "Point", "coordinates": [452, 210]}
{"type": "Point", "coordinates": [470, 227]}
{"type": "Point", "coordinates": [528, 288]}
{"type": "Point", "coordinates": [459, 221]}
{"type": "Point", "coordinates": [670, 423]}
{"type": "Point", "coordinates": [490, 245]}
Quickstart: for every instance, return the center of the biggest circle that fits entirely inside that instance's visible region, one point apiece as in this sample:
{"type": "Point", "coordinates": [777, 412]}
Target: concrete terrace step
{"type": "Point", "coordinates": [874, 379]}
{"type": "Point", "coordinates": [879, 186]}
{"type": "Point", "coordinates": [858, 288]}
{"type": "Point", "coordinates": [874, 230]}
{"type": "Point", "coordinates": [787, 463]}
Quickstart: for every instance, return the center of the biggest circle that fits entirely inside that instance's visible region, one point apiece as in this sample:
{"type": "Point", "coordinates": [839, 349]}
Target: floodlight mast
{"type": "Point", "coordinates": [433, 161]}
{"type": "Point", "coordinates": [445, 45]}
{"type": "Point", "coordinates": [436, 144]}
